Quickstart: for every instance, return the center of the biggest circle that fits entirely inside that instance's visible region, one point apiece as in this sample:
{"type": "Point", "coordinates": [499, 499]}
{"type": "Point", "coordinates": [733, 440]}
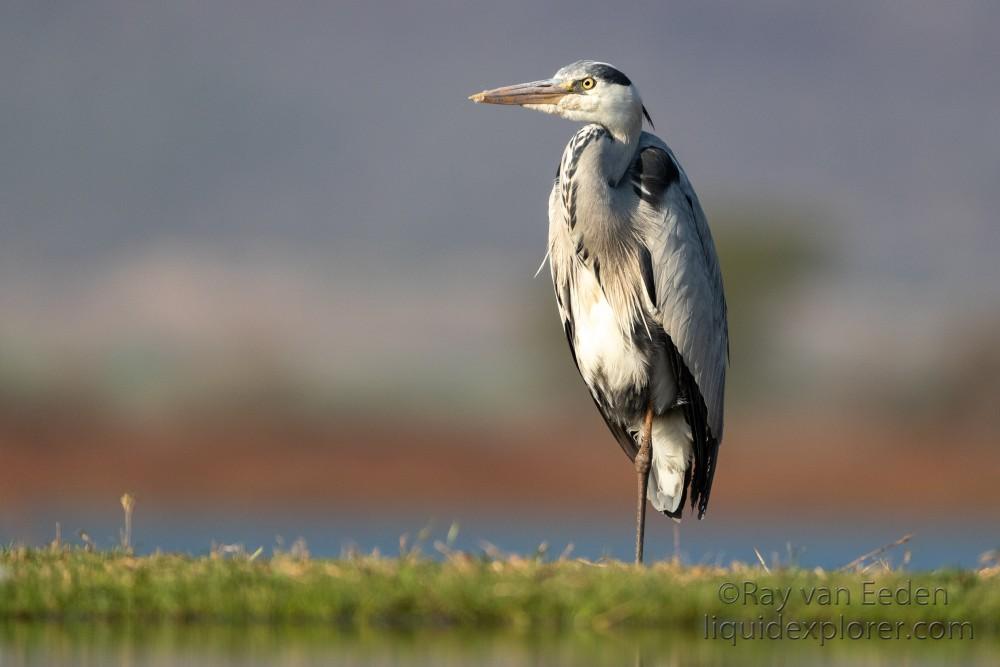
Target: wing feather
{"type": "Point", "coordinates": [690, 301]}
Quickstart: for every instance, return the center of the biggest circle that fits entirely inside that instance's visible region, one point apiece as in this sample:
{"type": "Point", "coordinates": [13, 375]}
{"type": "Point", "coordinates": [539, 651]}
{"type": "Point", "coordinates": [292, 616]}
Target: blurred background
{"type": "Point", "coordinates": [263, 266]}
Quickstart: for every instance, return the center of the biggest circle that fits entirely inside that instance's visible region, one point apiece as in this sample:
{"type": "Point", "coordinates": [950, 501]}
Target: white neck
{"type": "Point", "coordinates": [617, 155]}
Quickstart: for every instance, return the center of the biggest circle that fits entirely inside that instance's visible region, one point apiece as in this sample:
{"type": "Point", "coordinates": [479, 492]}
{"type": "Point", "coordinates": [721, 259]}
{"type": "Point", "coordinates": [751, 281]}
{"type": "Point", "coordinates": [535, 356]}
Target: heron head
{"type": "Point", "coordinates": [587, 91]}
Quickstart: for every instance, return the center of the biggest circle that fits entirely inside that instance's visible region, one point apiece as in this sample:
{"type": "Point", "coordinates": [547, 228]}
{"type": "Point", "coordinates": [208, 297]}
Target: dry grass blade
{"type": "Point", "coordinates": [760, 559]}
{"type": "Point", "coordinates": [491, 550]}
{"type": "Point", "coordinates": [857, 562]}
{"type": "Point", "coordinates": [128, 506]}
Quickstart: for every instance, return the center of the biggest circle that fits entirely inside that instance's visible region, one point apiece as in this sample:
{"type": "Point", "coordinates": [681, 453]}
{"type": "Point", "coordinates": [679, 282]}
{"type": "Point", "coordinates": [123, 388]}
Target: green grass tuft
{"type": "Point", "coordinates": [461, 591]}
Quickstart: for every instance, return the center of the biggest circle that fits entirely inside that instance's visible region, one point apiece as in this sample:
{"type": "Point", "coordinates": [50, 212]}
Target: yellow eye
{"type": "Point", "coordinates": [588, 83]}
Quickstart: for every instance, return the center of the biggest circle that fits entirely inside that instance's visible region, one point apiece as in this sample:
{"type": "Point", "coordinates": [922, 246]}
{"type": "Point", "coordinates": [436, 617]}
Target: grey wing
{"type": "Point", "coordinates": [689, 298]}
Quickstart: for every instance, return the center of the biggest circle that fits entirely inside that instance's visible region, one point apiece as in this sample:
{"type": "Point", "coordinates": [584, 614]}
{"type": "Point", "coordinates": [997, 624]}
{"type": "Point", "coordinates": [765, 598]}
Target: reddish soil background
{"type": "Point", "coordinates": [789, 465]}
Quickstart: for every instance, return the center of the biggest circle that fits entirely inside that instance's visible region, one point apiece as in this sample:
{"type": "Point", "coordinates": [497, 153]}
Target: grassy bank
{"type": "Point", "coordinates": [465, 591]}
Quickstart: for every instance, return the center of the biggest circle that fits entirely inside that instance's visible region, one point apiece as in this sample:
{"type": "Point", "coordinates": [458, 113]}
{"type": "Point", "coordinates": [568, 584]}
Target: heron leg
{"type": "Point", "coordinates": [643, 460]}
{"type": "Point", "coordinates": [677, 543]}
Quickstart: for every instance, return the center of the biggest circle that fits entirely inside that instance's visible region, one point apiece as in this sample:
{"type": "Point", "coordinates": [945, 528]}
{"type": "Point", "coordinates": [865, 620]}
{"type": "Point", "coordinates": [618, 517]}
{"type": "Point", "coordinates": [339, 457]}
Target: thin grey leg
{"type": "Point", "coordinates": [643, 459]}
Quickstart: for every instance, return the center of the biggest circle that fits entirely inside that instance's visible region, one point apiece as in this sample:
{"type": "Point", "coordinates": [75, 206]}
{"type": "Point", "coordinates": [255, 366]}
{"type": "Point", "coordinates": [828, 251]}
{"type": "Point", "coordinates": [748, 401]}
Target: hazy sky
{"type": "Point", "coordinates": [140, 138]}
{"type": "Point", "coordinates": [332, 122]}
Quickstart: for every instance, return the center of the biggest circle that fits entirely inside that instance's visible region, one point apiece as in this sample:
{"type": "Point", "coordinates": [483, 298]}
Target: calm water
{"type": "Point", "coordinates": [23, 645]}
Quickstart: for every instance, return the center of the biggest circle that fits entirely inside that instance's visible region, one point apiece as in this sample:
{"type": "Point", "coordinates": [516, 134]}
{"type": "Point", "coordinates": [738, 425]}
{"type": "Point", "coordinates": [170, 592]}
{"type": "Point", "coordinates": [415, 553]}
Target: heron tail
{"type": "Point", "coordinates": [670, 473]}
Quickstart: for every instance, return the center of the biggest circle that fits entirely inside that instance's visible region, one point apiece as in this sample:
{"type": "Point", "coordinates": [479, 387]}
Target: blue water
{"type": "Point", "coordinates": [827, 544]}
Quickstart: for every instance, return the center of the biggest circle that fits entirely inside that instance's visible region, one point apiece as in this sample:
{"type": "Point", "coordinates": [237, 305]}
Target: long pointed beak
{"type": "Point", "coordinates": [547, 91]}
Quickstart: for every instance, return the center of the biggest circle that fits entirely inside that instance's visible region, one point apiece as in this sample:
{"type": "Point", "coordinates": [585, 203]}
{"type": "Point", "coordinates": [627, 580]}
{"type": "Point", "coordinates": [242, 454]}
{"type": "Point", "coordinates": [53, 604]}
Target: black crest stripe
{"type": "Point", "coordinates": [609, 74]}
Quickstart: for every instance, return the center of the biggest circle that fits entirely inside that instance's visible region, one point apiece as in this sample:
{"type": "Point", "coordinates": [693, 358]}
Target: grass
{"type": "Point", "coordinates": [459, 591]}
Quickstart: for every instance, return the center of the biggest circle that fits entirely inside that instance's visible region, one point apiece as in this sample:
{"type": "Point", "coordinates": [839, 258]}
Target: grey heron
{"type": "Point", "coordinates": [637, 284]}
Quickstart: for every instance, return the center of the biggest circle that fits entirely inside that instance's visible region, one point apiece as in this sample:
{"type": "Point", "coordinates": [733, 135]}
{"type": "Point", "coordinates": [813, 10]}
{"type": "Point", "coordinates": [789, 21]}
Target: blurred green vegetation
{"type": "Point", "coordinates": [495, 344]}
{"type": "Point", "coordinates": [768, 254]}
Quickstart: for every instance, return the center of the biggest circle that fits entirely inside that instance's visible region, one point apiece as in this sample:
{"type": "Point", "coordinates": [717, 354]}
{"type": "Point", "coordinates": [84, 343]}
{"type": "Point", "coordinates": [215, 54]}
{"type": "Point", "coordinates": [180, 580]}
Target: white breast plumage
{"type": "Point", "coordinates": [604, 349]}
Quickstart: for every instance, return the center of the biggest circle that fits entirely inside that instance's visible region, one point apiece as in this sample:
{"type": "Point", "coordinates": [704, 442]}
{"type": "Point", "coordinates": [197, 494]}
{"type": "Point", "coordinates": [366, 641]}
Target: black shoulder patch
{"type": "Point", "coordinates": [646, 264]}
{"type": "Point", "coordinates": [609, 74]}
{"type": "Point", "coordinates": [652, 173]}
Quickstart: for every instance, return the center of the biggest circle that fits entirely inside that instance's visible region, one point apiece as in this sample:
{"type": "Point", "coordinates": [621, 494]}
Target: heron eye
{"type": "Point", "coordinates": [588, 83]}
